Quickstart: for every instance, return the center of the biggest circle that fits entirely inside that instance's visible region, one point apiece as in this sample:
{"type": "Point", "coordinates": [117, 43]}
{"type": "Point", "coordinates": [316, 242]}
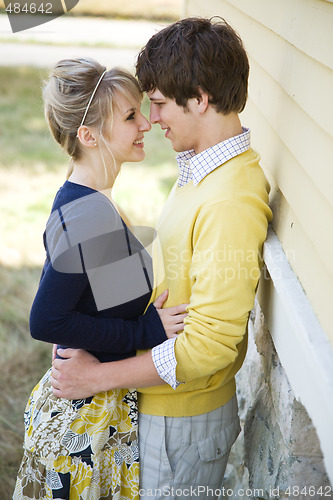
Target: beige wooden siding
{"type": "Point", "coordinates": [290, 113]}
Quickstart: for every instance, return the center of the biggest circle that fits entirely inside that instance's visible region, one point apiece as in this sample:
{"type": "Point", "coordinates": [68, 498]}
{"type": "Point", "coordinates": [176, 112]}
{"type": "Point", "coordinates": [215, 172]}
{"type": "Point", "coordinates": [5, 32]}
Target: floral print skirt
{"type": "Point", "coordinates": [79, 449]}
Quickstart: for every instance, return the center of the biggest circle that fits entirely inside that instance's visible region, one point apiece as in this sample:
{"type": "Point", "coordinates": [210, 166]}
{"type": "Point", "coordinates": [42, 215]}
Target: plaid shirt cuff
{"type": "Point", "coordinates": [165, 362]}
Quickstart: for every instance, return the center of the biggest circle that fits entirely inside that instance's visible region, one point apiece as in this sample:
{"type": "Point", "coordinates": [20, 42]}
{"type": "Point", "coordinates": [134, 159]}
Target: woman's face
{"type": "Point", "coordinates": [125, 135]}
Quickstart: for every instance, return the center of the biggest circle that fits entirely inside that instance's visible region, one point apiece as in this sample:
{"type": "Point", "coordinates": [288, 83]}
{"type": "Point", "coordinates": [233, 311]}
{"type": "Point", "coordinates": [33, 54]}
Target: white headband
{"type": "Point", "coordinates": [91, 98]}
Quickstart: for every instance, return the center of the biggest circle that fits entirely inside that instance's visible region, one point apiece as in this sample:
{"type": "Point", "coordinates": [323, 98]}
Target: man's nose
{"type": "Point", "coordinates": [154, 115]}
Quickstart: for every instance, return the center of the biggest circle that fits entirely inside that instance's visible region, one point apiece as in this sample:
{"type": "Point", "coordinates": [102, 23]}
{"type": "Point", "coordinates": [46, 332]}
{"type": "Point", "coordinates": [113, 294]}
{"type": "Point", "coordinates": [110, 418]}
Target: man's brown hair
{"type": "Point", "coordinates": [196, 54]}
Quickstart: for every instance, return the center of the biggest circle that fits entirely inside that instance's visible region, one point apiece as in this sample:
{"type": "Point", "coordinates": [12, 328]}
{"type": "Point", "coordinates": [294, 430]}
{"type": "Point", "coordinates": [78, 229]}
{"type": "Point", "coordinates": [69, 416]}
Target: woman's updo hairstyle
{"type": "Point", "coordinates": [68, 90]}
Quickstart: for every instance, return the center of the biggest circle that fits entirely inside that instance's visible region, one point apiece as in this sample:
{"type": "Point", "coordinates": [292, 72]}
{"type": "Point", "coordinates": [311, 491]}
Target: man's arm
{"type": "Point", "coordinates": [227, 241]}
{"type": "Point", "coordinates": [81, 375]}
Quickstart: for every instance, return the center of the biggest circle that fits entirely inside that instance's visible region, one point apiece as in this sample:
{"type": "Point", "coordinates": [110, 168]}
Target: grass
{"type": "Point", "coordinates": [32, 167]}
{"type": "Point", "coordinates": [157, 10]}
{"type": "Point", "coordinates": [22, 125]}
{"type": "Point", "coordinates": [22, 363]}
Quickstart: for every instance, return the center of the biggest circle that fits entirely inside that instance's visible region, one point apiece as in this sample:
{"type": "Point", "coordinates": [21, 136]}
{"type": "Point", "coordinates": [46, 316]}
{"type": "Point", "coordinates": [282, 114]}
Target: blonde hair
{"type": "Point", "coordinates": [68, 90]}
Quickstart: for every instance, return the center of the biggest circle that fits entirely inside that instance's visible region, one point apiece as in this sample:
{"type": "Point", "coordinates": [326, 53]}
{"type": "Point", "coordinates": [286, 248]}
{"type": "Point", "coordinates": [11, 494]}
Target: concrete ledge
{"type": "Point", "coordinates": [303, 347]}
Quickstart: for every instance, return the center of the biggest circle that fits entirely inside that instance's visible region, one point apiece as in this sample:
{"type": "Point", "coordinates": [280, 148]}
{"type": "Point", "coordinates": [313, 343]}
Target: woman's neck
{"type": "Point", "coordinates": [95, 177]}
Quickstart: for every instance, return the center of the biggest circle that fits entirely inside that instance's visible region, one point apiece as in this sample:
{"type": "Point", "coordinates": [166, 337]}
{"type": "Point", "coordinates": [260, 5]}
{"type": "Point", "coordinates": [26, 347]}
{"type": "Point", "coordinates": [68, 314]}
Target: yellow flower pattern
{"type": "Point", "coordinates": [79, 450]}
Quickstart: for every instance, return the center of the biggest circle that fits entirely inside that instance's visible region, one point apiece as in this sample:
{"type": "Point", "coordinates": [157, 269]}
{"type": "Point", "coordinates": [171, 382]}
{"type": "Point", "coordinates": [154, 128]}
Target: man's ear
{"type": "Point", "coordinates": [202, 101]}
{"type": "Point", "coordinates": [86, 136]}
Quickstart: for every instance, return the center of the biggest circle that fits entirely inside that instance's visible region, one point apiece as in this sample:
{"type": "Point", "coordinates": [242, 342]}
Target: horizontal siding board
{"type": "Point", "coordinates": [300, 250]}
{"type": "Point", "coordinates": [311, 146]}
{"type": "Point", "coordinates": [306, 81]}
{"type": "Point", "coordinates": [313, 210]}
{"type": "Point", "coordinates": [306, 24]}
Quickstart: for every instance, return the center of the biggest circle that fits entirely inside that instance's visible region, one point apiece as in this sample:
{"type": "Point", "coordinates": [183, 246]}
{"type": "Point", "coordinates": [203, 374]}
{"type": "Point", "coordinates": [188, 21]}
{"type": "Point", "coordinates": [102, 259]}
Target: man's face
{"type": "Point", "coordinates": [179, 124]}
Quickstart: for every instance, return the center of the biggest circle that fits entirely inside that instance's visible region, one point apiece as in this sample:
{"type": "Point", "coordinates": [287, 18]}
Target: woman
{"type": "Point", "coordinates": [94, 289]}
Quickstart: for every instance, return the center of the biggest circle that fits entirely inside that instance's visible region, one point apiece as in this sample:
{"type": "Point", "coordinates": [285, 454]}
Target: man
{"type": "Point", "coordinates": [211, 233]}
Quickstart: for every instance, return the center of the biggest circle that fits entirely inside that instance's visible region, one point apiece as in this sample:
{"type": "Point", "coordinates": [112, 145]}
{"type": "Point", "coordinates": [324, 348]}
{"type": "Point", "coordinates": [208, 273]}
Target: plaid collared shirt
{"type": "Point", "coordinates": [196, 167]}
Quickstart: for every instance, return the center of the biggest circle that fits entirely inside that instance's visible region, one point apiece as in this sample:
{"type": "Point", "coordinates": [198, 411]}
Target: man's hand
{"type": "Point", "coordinates": [80, 375]}
{"type": "Point", "coordinates": [75, 377]}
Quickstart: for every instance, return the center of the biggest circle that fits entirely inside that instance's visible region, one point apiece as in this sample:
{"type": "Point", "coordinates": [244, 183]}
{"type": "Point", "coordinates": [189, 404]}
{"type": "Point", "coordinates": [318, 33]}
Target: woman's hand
{"type": "Point", "coordinates": [172, 317]}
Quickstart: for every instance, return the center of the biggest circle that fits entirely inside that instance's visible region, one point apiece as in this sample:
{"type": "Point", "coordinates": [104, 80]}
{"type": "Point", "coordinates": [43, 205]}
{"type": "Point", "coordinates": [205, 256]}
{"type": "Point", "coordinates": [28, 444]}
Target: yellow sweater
{"type": "Point", "coordinates": [211, 238]}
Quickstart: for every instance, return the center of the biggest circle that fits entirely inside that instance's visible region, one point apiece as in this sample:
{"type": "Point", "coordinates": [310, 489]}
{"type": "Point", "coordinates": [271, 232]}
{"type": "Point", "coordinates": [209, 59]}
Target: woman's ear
{"type": "Point", "coordinates": [86, 136]}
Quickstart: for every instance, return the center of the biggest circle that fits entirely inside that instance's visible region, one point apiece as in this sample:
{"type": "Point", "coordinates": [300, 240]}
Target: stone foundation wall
{"type": "Point", "coordinates": [277, 455]}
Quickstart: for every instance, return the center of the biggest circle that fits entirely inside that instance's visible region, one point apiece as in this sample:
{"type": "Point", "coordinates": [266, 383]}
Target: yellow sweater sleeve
{"type": "Point", "coordinates": [226, 260]}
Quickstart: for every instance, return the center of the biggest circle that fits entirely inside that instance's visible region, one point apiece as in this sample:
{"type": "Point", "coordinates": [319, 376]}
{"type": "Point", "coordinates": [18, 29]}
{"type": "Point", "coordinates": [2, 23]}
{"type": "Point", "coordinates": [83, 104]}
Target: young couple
{"type": "Point", "coordinates": [81, 439]}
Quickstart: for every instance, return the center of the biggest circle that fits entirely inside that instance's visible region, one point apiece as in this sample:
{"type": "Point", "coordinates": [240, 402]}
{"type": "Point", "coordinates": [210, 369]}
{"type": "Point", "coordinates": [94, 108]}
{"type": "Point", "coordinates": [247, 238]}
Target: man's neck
{"type": "Point", "coordinates": [216, 128]}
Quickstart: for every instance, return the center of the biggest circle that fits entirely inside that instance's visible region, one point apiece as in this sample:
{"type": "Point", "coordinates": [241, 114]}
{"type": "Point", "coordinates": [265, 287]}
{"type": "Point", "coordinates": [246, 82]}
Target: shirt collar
{"type": "Point", "coordinates": [196, 167]}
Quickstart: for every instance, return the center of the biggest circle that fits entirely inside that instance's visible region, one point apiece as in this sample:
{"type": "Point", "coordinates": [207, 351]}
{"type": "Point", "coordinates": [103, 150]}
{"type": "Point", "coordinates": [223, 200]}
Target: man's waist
{"type": "Point", "coordinates": [187, 400]}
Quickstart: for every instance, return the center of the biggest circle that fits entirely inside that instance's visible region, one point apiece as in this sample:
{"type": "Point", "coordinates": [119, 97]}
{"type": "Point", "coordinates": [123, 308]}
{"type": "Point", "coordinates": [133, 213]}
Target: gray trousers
{"type": "Point", "coordinates": [186, 457]}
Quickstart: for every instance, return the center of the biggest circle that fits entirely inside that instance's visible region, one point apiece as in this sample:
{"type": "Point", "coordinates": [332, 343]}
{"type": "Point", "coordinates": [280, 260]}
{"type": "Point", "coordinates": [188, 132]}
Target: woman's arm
{"type": "Point", "coordinates": [54, 318]}
{"type": "Point", "coordinates": [80, 375]}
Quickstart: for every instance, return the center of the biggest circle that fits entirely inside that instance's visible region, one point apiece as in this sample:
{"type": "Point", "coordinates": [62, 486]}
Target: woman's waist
{"type": "Point", "coordinates": [103, 357]}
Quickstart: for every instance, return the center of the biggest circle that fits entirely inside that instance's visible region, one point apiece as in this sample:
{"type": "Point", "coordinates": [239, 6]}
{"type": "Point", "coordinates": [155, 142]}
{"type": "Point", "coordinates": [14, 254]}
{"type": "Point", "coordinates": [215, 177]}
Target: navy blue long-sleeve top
{"type": "Point", "coordinates": [96, 280]}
